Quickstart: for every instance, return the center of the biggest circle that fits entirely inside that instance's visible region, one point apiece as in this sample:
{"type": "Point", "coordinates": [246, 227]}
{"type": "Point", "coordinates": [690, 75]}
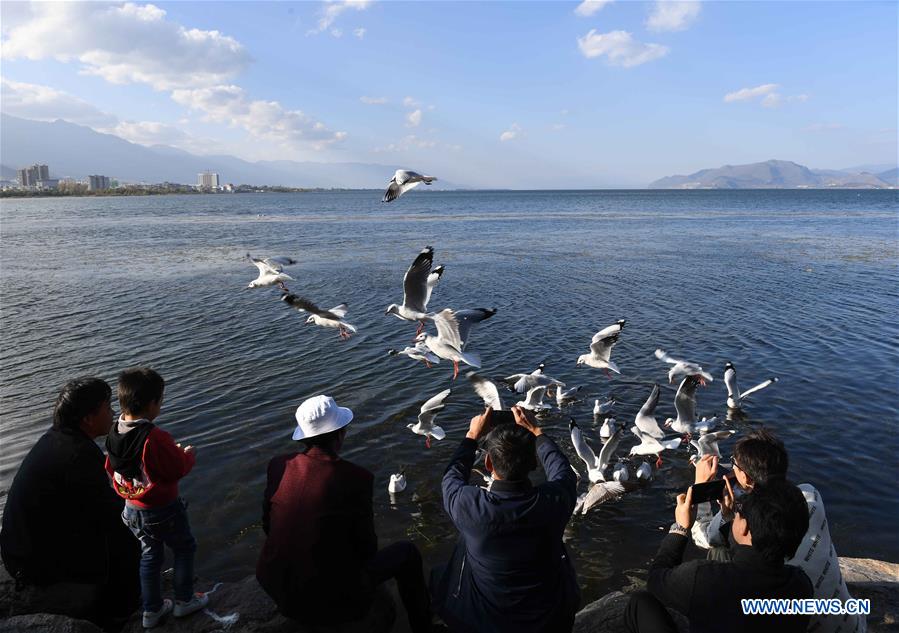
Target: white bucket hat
{"type": "Point", "coordinates": [319, 415]}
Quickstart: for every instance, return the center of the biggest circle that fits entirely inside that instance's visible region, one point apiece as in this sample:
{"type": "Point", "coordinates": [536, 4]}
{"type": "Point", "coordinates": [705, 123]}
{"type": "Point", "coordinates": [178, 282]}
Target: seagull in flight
{"type": "Point", "coordinates": [420, 353]}
{"type": "Point", "coordinates": [453, 330]}
{"type": "Point", "coordinates": [270, 271]}
{"type": "Point", "coordinates": [685, 405]}
{"type": "Point", "coordinates": [600, 490]}
{"type": "Point", "coordinates": [425, 425]}
{"type": "Point", "coordinates": [645, 420]}
{"type": "Point", "coordinates": [651, 446]}
{"type": "Point", "coordinates": [325, 318]}
{"type": "Point", "coordinates": [526, 382]}
{"type": "Point", "coordinates": [601, 349]}
{"type": "Point", "coordinates": [402, 181]}
{"type": "Point", "coordinates": [418, 283]}
{"type": "Point", "coordinates": [682, 368]}
{"type": "Point", "coordinates": [707, 444]}
{"type": "Point", "coordinates": [534, 400]}
{"type": "Point", "coordinates": [734, 396]}
{"type": "Point", "coordinates": [487, 390]}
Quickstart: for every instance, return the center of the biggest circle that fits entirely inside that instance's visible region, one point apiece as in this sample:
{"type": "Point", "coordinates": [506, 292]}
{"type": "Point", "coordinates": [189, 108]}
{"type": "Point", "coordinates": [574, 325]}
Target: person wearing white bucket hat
{"type": "Point", "coordinates": [320, 562]}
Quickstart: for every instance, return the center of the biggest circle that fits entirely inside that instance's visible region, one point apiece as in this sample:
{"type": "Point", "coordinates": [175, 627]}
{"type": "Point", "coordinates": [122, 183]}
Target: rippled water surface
{"type": "Point", "coordinates": [798, 284]}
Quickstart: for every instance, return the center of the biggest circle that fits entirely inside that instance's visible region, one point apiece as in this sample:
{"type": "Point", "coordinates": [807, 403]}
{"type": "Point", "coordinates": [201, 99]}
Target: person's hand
{"type": "Point", "coordinates": [706, 468]}
{"type": "Point", "coordinates": [727, 501]}
{"type": "Point", "coordinates": [526, 419]}
{"type": "Point", "coordinates": [479, 425]}
{"type": "Point", "coordinates": [685, 512]}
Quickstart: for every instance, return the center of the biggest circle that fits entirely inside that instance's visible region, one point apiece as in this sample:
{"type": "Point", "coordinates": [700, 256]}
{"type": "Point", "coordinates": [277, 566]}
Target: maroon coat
{"type": "Point", "coordinates": [317, 515]}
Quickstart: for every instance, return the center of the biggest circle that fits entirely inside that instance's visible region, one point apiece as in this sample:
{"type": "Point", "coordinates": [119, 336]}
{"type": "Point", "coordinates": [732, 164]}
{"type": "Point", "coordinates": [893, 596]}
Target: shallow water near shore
{"type": "Point", "coordinates": [798, 284]}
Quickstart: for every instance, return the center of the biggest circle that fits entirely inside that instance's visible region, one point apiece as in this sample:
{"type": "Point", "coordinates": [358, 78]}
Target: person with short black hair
{"type": "Point", "coordinates": [145, 465]}
{"type": "Point", "coordinates": [320, 561]}
{"type": "Point", "coordinates": [510, 570]}
{"type": "Point", "coordinates": [768, 526]}
{"type": "Point", "coordinates": [62, 537]}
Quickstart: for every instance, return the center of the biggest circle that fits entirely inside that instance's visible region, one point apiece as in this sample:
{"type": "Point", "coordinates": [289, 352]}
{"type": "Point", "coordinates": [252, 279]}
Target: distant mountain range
{"type": "Point", "coordinates": [778, 174]}
{"type": "Point", "coordinates": [76, 151]}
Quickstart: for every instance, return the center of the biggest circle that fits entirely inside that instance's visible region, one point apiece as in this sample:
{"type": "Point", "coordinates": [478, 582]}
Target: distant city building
{"type": "Point", "coordinates": [47, 183]}
{"type": "Point", "coordinates": [30, 176]}
{"type": "Point", "coordinates": [97, 183]}
{"type": "Point", "coordinates": [208, 180]}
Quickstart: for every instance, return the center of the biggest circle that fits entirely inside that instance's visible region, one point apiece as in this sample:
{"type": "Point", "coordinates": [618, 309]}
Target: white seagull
{"type": "Point", "coordinates": [397, 482]}
{"type": "Point", "coordinates": [270, 271]}
{"type": "Point", "coordinates": [608, 428]}
{"type": "Point", "coordinates": [325, 318]}
{"type": "Point", "coordinates": [420, 353]}
{"type": "Point", "coordinates": [707, 444]}
{"type": "Point", "coordinates": [453, 329]}
{"type": "Point", "coordinates": [487, 390]}
{"type": "Point", "coordinates": [682, 368]}
{"type": "Point", "coordinates": [567, 396]}
{"type": "Point", "coordinates": [425, 425]}
{"type": "Point", "coordinates": [418, 283]}
{"type": "Point", "coordinates": [734, 396]}
{"type": "Point", "coordinates": [601, 408]}
{"type": "Point", "coordinates": [534, 400]}
{"type": "Point", "coordinates": [651, 446]}
{"type": "Point", "coordinates": [526, 382]}
{"type": "Point", "coordinates": [644, 472]}
{"type": "Point", "coordinates": [685, 406]}
{"type": "Point", "coordinates": [645, 420]}
{"type": "Point", "coordinates": [596, 466]}
{"type": "Point", "coordinates": [601, 349]}
{"type": "Point", "coordinates": [402, 181]}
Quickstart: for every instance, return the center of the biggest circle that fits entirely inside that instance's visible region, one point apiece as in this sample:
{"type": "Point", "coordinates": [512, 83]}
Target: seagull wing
{"type": "Point", "coordinates": [758, 387]}
{"type": "Point", "coordinates": [339, 311]}
{"type": "Point", "coordinates": [685, 400]}
{"type": "Point", "coordinates": [535, 396]}
{"type": "Point", "coordinates": [581, 447]}
{"type": "Point", "coordinates": [448, 329]}
{"type": "Point", "coordinates": [649, 407]}
{"type": "Point", "coordinates": [608, 449]}
{"type": "Point", "coordinates": [305, 305]}
{"type": "Point", "coordinates": [264, 267]}
{"type": "Point", "coordinates": [487, 391]}
{"type": "Point", "coordinates": [467, 319]}
{"type": "Point", "coordinates": [663, 356]}
{"type": "Point", "coordinates": [277, 262]}
{"type": "Point", "coordinates": [730, 381]}
{"type": "Point", "coordinates": [393, 192]}
{"type": "Point", "coordinates": [600, 493]}
{"type": "Point", "coordinates": [601, 345]}
{"type": "Point", "coordinates": [415, 282]}
{"type": "Point", "coordinates": [430, 408]}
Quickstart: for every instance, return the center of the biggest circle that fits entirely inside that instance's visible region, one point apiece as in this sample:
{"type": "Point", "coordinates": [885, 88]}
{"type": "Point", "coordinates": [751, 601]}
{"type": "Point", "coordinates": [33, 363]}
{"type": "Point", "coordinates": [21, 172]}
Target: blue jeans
{"type": "Point", "coordinates": [156, 528]}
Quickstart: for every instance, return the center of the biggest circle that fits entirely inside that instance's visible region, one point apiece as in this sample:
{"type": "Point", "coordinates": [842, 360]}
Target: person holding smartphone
{"type": "Point", "coordinates": [510, 570]}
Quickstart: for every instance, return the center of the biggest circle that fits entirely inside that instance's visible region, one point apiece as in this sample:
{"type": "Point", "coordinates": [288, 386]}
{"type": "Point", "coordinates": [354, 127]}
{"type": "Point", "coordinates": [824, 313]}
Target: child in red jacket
{"type": "Point", "coordinates": [145, 465]}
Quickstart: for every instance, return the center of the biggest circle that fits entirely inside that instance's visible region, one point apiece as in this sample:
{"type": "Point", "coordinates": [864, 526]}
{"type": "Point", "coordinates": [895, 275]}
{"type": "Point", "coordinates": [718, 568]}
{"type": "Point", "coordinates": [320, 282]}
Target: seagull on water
{"type": "Point", "coordinates": [601, 408]}
{"type": "Point", "coordinates": [645, 420]}
{"type": "Point", "coordinates": [685, 406]}
{"type": "Point", "coordinates": [487, 390]}
{"type": "Point", "coordinates": [526, 382]}
{"type": "Point", "coordinates": [651, 446]}
{"type": "Point", "coordinates": [601, 349]}
{"type": "Point", "coordinates": [397, 482]}
{"type": "Point", "coordinates": [734, 396]}
{"type": "Point", "coordinates": [270, 271]}
{"type": "Point", "coordinates": [453, 329]}
{"type": "Point", "coordinates": [567, 396]}
{"type": "Point", "coordinates": [418, 283]}
{"type": "Point", "coordinates": [420, 353]}
{"type": "Point", "coordinates": [425, 425]}
{"type": "Point", "coordinates": [402, 181]}
{"type": "Point", "coordinates": [325, 318]}
{"type": "Point", "coordinates": [534, 400]}
{"type": "Point", "coordinates": [608, 429]}
{"type": "Point", "coordinates": [644, 472]}
{"type": "Point", "coordinates": [682, 368]}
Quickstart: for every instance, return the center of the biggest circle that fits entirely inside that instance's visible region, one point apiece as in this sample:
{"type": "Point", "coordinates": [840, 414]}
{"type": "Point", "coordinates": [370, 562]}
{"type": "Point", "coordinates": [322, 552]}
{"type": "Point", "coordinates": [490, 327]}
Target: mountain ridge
{"type": "Point", "coordinates": [776, 174]}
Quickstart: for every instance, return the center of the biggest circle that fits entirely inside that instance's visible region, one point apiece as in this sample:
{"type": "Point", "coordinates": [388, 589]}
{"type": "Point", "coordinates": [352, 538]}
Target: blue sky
{"type": "Point", "coordinates": [506, 94]}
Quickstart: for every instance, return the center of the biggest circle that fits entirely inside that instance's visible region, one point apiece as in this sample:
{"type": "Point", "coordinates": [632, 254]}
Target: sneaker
{"type": "Point", "coordinates": [153, 618]}
{"type": "Point", "coordinates": [193, 605]}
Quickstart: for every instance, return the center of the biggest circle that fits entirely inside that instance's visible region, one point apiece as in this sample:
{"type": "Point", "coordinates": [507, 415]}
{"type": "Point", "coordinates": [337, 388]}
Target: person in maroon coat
{"type": "Point", "coordinates": [320, 562]}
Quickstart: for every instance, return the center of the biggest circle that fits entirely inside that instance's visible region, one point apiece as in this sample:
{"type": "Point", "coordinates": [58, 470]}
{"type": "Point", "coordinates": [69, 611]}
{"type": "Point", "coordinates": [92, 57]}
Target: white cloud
{"type": "Point", "coordinates": [589, 7]}
{"type": "Point", "coordinates": [513, 132]}
{"type": "Point", "coordinates": [263, 119]}
{"type": "Point", "coordinates": [359, 33]}
{"type": "Point", "coordinates": [43, 103]}
{"type": "Point", "coordinates": [413, 119]}
{"type": "Point", "coordinates": [619, 48]}
{"type": "Point", "coordinates": [671, 15]}
{"type": "Point", "coordinates": [744, 94]}
{"type": "Point", "coordinates": [409, 102]}
{"type": "Point", "coordinates": [373, 100]}
{"type": "Point", "coordinates": [336, 32]}
{"type": "Point", "coordinates": [771, 100]}
{"type": "Point", "coordinates": [124, 44]}
{"type": "Point", "coordinates": [332, 11]}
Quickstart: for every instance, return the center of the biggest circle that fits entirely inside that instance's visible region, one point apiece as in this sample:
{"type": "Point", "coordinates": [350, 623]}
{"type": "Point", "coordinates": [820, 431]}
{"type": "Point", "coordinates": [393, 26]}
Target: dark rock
{"type": "Point", "coordinates": [46, 623]}
{"type": "Point", "coordinates": [878, 581]}
{"type": "Point", "coordinates": [606, 615]}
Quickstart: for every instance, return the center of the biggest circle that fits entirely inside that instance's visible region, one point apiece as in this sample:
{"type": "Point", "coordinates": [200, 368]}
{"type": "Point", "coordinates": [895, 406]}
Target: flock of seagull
{"type": "Point", "coordinates": [609, 476]}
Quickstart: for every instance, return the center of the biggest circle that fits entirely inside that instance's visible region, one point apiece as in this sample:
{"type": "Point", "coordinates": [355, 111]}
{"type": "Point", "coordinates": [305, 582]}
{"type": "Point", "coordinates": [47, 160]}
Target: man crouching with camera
{"type": "Point", "coordinates": [767, 527]}
{"type": "Point", "coordinates": [510, 570]}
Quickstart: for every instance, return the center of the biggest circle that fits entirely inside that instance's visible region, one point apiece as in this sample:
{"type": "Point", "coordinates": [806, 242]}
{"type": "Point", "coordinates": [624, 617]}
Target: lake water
{"type": "Point", "coordinates": [798, 284]}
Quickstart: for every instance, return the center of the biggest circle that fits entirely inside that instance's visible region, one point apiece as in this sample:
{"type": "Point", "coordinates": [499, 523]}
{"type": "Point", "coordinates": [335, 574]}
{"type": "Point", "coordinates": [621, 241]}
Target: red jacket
{"type": "Point", "coordinates": [317, 515]}
{"type": "Point", "coordinates": [163, 463]}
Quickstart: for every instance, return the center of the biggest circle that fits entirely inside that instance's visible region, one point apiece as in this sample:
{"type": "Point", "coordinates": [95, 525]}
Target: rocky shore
{"type": "Point", "coordinates": [242, 607]}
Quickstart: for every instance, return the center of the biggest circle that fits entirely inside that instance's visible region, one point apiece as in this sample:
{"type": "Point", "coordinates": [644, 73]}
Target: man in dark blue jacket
{"type": "Point", "coordinates": [510, 570]}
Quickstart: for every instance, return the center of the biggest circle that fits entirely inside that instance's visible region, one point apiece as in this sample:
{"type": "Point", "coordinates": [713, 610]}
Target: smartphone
{"type": "Point", "coordinates": [709, 491]}
{"type": "Point", "coordinates": [501, 417]}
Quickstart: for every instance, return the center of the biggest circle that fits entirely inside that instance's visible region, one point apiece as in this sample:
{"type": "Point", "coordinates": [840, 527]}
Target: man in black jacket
{"type": "Point", "coordinates": [510, 570]}
{"type": "Point", "coordinates": [768, 525]}
{"type": "Point", "coordinates": [62, 537]}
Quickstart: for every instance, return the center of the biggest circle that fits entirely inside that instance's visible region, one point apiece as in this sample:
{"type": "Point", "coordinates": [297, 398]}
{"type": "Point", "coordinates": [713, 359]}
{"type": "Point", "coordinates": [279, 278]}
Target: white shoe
{"type": "Point", "coordinates": [153, 618]}
{"type": "Point", "coordinates": [193, 605]}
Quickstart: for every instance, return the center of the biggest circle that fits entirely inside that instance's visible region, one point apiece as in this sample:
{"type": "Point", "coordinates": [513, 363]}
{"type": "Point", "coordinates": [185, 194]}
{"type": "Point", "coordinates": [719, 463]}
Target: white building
{"type": "Point", "coordinates": [208, 180]}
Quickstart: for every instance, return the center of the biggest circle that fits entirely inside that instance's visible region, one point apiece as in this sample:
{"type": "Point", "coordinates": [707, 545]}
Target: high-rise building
{"type": "Point", "coordinates": [96, 183]}
{"type": "Point", "coordinates": [208, 180]}
{"type": "Point", "coordinates": [30, 176]}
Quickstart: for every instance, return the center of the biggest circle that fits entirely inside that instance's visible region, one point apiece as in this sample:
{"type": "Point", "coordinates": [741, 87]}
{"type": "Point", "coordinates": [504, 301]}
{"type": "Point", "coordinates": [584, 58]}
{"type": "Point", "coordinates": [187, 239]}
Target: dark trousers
{"type": "Point", "coordinates": [645, 614]}
{"type": "Point", "coordinates": [402, 561]}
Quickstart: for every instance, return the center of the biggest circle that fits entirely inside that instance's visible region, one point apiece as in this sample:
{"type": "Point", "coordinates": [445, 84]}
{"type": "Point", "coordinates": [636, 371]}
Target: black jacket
{"type": "Point", "coordinates": [510, 570]}
{"type": "Point", "coordinates": [62, 521]}
{"type": "Point", "coordinates": [709, 592]}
